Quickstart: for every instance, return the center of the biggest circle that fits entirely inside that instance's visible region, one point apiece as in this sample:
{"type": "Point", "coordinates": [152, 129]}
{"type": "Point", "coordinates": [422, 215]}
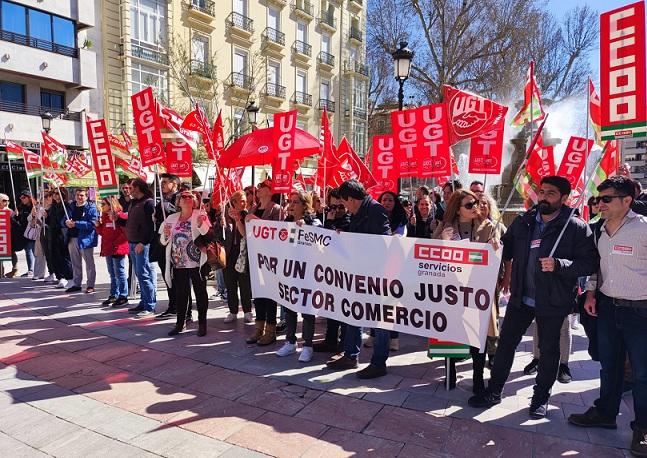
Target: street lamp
{"type": "Point", "coordinates": [402, 58]}
{"type": "Point", "coordinates": [252, 114]}
{"type": "Point", "coordinates": [46, 119]}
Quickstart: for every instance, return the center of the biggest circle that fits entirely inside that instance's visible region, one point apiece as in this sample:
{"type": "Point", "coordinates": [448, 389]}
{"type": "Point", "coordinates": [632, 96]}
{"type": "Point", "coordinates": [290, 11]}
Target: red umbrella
{"type": "Point", "coordinates": [257, 148]}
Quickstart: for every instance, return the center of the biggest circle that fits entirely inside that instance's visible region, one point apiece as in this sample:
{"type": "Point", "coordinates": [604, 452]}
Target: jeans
{"type": "Point", "coordinates": [565, 342]}
{"type": "Point", "coordinates": [515, 324]}
{"type": "Point", "coordinates": [233, 281]}
{"type": "Point", "coordinates": [117, 271]}
{"type": "Point", "coordinates": [77, 255]}
{"type": "Point", "coordinates": [335, 332]}
{"type": "Point", "coordinates": [146, 277]}
{"type": "Point", "coordinates": [29, 254]}
{"type": "Point", "coordinates": [221, 283]}
{"type": "Point", "coordinates": [353, 342]}
{"type": "Point", "coordinates": [621, 330]}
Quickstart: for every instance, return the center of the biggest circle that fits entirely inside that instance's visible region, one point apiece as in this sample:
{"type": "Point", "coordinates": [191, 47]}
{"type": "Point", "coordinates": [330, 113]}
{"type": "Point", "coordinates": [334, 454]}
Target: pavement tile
{"type": "Point", "coordinates": [16, 449]}
{"type": "Point", "coordinates": [389, 397]}
{"type": "Point", "coordinates": [341, 411]}
{"type": "Point", "coordinates": [416, 451]}
{"type": "Point", "coordinates": [343, 443]}
{"type": "Point", "coordinates": [217, 418]}
{"type": "Point", "coordinates": [112, 350]}
{"type": "Point", "coordinates": [48, 367]}
{"type": "Point", "coordinates": [20, 349]}
{"type": "Point", "coordinates": [280, 397]}
{"type": "Point", "coordinates": [426, 403]}
{"type": "Point", "coordinates": [173, 442]}
{"type": "Point", "coordinates": [181, 371]}
{"type": "Point", "coordinates": [278, 435]}
{"type": "Point", "coordinates": [227, 384]}
{"type": "Point", "coordinates": [548, 446]}
{"type": "Point", "coordinates": [408, 426]}
{"type": "Point", "coordinates": [86, 443]}
{"type": "Point", "coordinates": [43, 430]}
{"type": "Point", "coordinates": [470, 438]}
{"type": "Point", "coordinates": [142, 360]}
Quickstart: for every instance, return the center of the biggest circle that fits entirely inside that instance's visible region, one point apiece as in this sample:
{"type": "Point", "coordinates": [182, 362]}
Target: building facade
{"type": "Point", "coordinates": [280, 54]}
{"type": "Point", "coordinates": [48, 64]}
{"type": "Point", "coordinates": [634, 153]}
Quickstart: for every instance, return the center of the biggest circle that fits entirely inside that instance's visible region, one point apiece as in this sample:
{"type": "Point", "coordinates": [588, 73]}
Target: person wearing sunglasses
{"type": "Point", "coordinates": [616, 295]}
{"type": "Point", "coordinates": [463, 221]}
{"type": "Point", "coordinates": [542, 287]}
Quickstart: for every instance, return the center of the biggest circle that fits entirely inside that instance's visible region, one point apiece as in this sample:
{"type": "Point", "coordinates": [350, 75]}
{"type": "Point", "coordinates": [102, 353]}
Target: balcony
{"type": "Point", "coordinates": [301, 51]}
{"type": "Point", "coordinates": [274, 94]}
{"type": "Point", "coordinates": [240, 84]}
{"type": "Point", "coordinates": [148, 54]}
{"type": "Point", "coordinates": [303, 9]}
{"type": "Point", "coordinates": [273, 40]}
{"type": "Point", "coordinates": [201, 13]}
{"type": "Point", "coordinates": [202, 69]}
{"type": "Point", "coordinates": [72, 66]}
{"type": "Point", "coordinates": [327, 104]}
{"type": "Point", "coordinates": [356, 67]}
{"type": "Point", "coordinates": [355, 35]}
{"type": "Point", "coordinates": [356, 5]}
{"type": "Point", "coordinates": [239, 26]}
{"type": "Point", "coordinates": [67, 126]}
{"type": "Point", "coordinates": [205, 7]}
{"type": "Point", "coordinates": [359, 113]}
{"type": "Point", "coordinates": [37, 110]}
{"type": "Point", "coordinates": [303, 99]}
{"type": "Point", "coordinates": [326, 61]}
{"type": "Point", "coordinates": [279, 3]}
{"type": "Point", "coordinates": [328, 21]}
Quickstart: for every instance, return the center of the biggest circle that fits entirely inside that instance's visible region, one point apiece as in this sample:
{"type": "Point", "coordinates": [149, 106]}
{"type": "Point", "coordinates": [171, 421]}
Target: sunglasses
{"type": "Point", "coordinates": [470, 205]}
{"type": "Point", "coordinates": [608, 199]}
{"type": "Point", "coordinates": [186, 196]}
{"type": "Point", "coordinates": [5, 200]}
{"type": "Point", "coordinates": [335, 207]}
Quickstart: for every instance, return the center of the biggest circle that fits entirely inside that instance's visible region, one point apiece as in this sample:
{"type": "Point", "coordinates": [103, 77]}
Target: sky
{"type": "Point", "coordinates": [561, 7]}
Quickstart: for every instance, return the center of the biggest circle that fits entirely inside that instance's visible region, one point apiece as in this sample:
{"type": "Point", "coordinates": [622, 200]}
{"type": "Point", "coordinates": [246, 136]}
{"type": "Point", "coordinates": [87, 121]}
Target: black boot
{"type": "Point", "coordinates": [478, 364]}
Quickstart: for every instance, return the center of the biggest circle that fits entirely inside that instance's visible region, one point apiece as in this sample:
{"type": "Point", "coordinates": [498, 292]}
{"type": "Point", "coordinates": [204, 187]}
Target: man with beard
{"type": "Point", "coordinates": [543, 287]}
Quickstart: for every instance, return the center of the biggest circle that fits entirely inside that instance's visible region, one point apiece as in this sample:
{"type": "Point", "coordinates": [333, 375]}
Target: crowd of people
{"type": "Point", "coordinates": [552, 261]}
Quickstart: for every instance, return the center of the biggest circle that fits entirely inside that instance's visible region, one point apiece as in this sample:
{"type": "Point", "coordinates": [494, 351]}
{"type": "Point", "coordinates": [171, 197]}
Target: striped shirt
{"type": "Point", "coordinates": [623, 260]}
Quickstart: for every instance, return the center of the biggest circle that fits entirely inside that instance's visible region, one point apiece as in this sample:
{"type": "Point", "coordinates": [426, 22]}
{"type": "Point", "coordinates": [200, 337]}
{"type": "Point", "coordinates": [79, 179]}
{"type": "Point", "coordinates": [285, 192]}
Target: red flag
{"type": "Point", "coordinates": [147, 126]}
{"type": "Point", "coordinates": [595, 113]}
{"type": "Point", "coordinates": [32, 161]}
{"type": "Point", "coordinates": [433, 154]}
{"type": "Point", "coordinates": [5, 234]}
{"type": "Point", "coordinates": [407, 140]}
{"type": "Point", "coordinates": [104, 166]}
{"type": "Point", "coordinates": [218, 137]}
{"type": "Point", "coordinates": [385, 167]}
{"type": "Point", "coordinates": [285, 126]}
{"type": "Point", "coordinates": [77, 167]}
{"type": "Point", "coordinates": [54, 150]}
{"type": "Point", "coordinates": [486, 152]}
{"type": "Point", "coordinates": [541, 162]}
{"type": "Point", "coordinates": [196, 121]}
{"type": "Point", "coordinates": [327, 159]}
{"type": "Point", "coordinates": [350, 167]}
{"type": "Point", "coordinates": [179, 159]}
{"type": "Point", "coordinates": [531, 101]}
{"type": "Point", "coordinates": [574, 159]}
{"type": "Point", "coordinates": [470, 115]}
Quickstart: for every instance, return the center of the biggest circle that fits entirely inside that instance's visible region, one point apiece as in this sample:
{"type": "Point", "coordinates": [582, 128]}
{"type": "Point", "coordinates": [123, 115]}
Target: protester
{"type": "Point", "coordinates": [397, 216]}
{"type": "Point", "coordinates": [423, 222]}
{"type": "Point", "coordinates": [169, 184]}
{"type": "Point", "coordinates": [617, 297]}
{"type": "Point", "coordinates": [36, 227]}
{"type": "Point", "coordinates": [126, 196]}
{"type": "Point", "coordinates": [22, 242]}
{"type": "Point", "coordinates": [4, 205]}
{"type": "Point", "coordinates": [316, 205]}
{"type": "Point", "coordinates": [448, 189]}
{"type": "Point", "coordinates": [81, 240]}
{"type": "Point", "coordinates": [337, 219]}
{"type": "Point", "coordinates": [57, 249]}
{"type": "Point", "coordinates": [114, 247]}
{"type": "Point", "coordinates": [478, 188]}
{"type": "Point", "coordinates": [186, 264]}
{"type": "Point", "coordinates": [232, 235]}
{"type": "Point", "coordinates": [216, 218]}
{"type": "Point", "coordinates": [463, 221]}
{"type": "Point", "coordinates": [267, 209]}
{"type": "Point", "coordinates": [367, 217]}
{"type": "Point", "coordinates": [250, 196]}
{"type": "Point", "coordinates": [594, 209]}
{"type": "Point", "coordinates": [300, 211]}
{"type": "Point", "coordinates": [542, 287]}
{"type": "Point", "coordinates": [44, 240]}
{"type": "Point", "coordinates": [140, 233]}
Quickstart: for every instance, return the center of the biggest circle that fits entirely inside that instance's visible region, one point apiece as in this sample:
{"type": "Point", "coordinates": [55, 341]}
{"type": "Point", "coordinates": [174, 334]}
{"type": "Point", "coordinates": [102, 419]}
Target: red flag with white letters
{"type": "Point", "coordinates": [104, 167]}
{"type": "Point", "coordinates": [5, 234]}
{"type": "Point", "coordinates": [574, 159]}
{"type": "Point", "coordinates": [486, 152]}
{"type": "Point", "coordinates": [284, 133]}
{"type": "Point", "coordinates": [179, 159]}
{"type": "Point", "coordinates": [147, 126]}
{"type": "Point", "coordinates": [385, 167]}
{"type": "Point", "coordinates": [404, 126]}
{"type": "Point", "coordinates": [433, 155]}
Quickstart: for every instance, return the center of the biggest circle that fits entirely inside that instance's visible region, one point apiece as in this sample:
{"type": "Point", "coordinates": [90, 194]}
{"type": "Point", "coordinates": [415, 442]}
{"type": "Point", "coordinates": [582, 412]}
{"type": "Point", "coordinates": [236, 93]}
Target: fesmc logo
{"type": "Point", "coordinates": [469, 114]}
{"type": "Point", "coordinates": [452, 255]}
{"type": "Point", "coordinates": [296, 235]}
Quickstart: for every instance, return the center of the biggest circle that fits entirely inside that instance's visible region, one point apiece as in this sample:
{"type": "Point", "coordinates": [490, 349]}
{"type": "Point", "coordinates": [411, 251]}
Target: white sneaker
{"type": "Point", "coordinates": [50, 277]}
{"type": "Point", "coordinates": [287, 349]}
{"type": "Point", "coordinates": [230, 318]}
{"type": "Point", "coordinates": [575, 325]}
{"type": "Point", "coordinates": [249, 317]}
{"type": "Point", "coordinates": [62, 283]}
{"type": "Point", "coordinates": [306, 355]}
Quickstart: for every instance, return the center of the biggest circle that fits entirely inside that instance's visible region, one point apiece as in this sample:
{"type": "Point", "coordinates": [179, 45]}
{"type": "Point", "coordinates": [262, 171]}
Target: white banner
{"type": "Point", "coordinates": [430, 288]}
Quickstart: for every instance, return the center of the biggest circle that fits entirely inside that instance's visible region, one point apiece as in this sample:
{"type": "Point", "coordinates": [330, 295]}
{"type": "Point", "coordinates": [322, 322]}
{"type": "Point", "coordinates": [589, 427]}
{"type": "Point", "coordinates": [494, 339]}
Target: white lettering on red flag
{"type": "Point", "coordinates": [284, 133]}
{"type": "Point", "coordinates": [5, 234]}
{"type": "Point", "coordinates": [178, 159]}
{"type": "Point", "coordinates": [104, 167]}
{"type": "Point", "coordinates": [574, 159]}
{"type": "Point", "coordinates": [385, 167]}
{"type": "Point", "coordinates": [407, 140]}
{"type": "Point", "coordinates": [433, 155]}
{"type": "Point", "coordinates": [486, 152]}
{"type": "Point", "coordinates": [147, 127]}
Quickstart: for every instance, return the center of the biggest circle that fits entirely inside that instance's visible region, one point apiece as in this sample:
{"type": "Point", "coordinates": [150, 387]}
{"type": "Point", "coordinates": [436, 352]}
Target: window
{"type": "Point", "coordinates": [14, 18]}
{"type": "Point", "coordinates": [200, 49]}
{"type": "Point", "coordinates": [302, 31]}
{"type": "Point", "coordinates": [273, 73]}
{"type": "Point", "coordinates": [64, 32]}
{"type": "Point", "coordinates": [240, 7]}
{"type": "Point", "coordinates": [359, 94]}
{"type": "Point", "coordinates": [273, 18]}
{"type": "Point", "coordinates": [12, 93]}
{"type": "Point", "coordinates": [239, 127]}
{"type": "Point", "coordinates": [302, 82]}
{"type": "Point", "coordinates": [52, 100]}
{"type": "Point", "coordinates": [144, 76]}
{"type": "Point", "coordinates": [324, 90]}
{"type": "Point", "coordinates": [240, 62]}
{"type": "Point", "coordinates": [359, 136]}
{"type": "Point", "coordinates": [41, 27]}
{"type": "Point", "coordinates": [325, 43]}
{"type": "Point", "coordinates": [148, 22]}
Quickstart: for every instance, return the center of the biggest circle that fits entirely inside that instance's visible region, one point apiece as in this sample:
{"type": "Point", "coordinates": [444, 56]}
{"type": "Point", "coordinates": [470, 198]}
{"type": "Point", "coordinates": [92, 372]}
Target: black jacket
{"type": "Point", "coordinates": [338, 224]}
{"type": "Point", "coordinates": [371, 218]}
{"type": "Point", "coordinates": [576, 256]}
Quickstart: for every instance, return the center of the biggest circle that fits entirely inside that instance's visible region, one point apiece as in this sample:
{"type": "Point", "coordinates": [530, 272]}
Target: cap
{"type": "Point", "coordinates": [25, 192]}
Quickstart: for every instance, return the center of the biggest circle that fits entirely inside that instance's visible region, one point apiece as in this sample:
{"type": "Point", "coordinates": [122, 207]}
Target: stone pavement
{"type": "Point", "coordinates": [77, 379]}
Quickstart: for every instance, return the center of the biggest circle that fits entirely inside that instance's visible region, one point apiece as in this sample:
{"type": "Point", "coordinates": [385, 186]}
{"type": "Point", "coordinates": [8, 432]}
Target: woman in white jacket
{"type": "Point", "coordinates": [186, 264]}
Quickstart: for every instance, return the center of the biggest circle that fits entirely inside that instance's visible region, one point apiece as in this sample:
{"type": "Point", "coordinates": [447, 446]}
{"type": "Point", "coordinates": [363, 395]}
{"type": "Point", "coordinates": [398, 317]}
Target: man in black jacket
{"type": "Point", "coordinates": [543, 287]}
{"type": "Point", "coordinates": [367, 217]}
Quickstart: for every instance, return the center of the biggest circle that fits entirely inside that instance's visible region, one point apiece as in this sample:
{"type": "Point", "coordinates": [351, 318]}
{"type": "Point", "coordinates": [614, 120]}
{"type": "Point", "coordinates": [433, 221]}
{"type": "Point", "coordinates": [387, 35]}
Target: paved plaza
{"type": "Point", "coordinates": [80, 380]}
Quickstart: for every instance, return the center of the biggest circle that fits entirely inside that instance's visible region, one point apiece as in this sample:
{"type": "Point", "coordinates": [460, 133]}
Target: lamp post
{"type": "Point", "coordinates": [252, 114]}
{"type": "Point", "coordinates": [46, 119]}
{"type": "Point", "coordinates": [402, 58]}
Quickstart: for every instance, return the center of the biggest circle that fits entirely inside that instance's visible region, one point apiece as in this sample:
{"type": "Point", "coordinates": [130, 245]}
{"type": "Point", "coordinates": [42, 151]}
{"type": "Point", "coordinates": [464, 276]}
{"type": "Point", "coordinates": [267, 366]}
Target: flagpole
{"type": "Point", "coordinates": [588, 148]}
{"type": "Point", "coordinates": [60, 194]}
{"type": "Point", "coordinates": [13, 189]}
{"type": "Point", "coordinates": [159, 182]}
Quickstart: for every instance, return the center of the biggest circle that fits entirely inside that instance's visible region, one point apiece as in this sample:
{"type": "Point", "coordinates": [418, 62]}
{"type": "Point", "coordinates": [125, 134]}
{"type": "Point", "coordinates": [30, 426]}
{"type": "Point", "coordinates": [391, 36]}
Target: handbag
{"type": "Point", "coordinates": [241, 262]}
{"type": "Point", "coordinates": [31, 233]}
{"type": "Point", "coordinates": [215, 251]}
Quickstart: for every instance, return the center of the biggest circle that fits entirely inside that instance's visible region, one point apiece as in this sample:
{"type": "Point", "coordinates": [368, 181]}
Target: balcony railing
{"type": "Point", "coordinates": [37, 43]}
{"type": "Point", "coordinates": [329, 20]}
{"type": "Point", "coordinates": [148, 54]}
{"type": "Point", "coordinates": [359, 113]}
{"type": "Point", "coordinates": [204, 6]}
{"type": "Point", "coordinates": [302, 98]}
{"type": "Point", "coordinates": [326, 59]}
{"type": "Point", "coordinates": [302, 48]}
{"type": "Point", "coordinates": [357, 67]}
{"type": "Point", "coordinates": [240, 80]}
{"type": "Point", "coordinates": [203, 69]}
{"type": "Point", "coordinates": [240, 21]}
{"type": "Point", "coordinates": [358, 2]}
{"type": "Point", "coordinates": [303, 6]}
{"type": "Point", "coordinates": [37, 110]}
{"type": "Point", "coordinates": [355, 33]}
{"type": "Point", "coordinates": [327, 104]}
{"type": "Point", "coordinates": [275, 90]}
{"type": "Point", "coordinates": [273, 36]}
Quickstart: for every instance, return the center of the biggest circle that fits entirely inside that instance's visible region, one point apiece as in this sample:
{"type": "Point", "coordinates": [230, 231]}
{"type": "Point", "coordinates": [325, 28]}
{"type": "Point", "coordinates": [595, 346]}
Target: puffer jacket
{"type": "Point", "coordinates": [113, 237]}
